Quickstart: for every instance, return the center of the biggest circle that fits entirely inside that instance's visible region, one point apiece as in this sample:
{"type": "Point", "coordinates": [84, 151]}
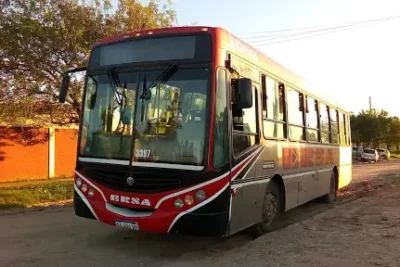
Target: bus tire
{"type": "Point", "coordinates": [330, 198]}
{"type": "Point", "coordinates": [272, 208]}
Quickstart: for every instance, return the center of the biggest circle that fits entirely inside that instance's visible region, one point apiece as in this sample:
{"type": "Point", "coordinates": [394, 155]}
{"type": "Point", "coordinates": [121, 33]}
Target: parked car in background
{"type": "Point", "coordinates": [370, 154]}
{"type": "Point", "coordinates": [383, 153]}
{"type": "Point", "coordinates": [357, 152]}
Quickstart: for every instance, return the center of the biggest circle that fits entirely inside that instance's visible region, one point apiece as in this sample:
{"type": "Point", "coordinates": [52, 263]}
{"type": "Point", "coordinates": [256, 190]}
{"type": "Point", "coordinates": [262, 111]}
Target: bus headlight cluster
{"type": "Point", "coordinates": [178, 203]}
{"type": "Point", "coordinates": [188, 200]}
{"type": "Point", "coordinates": [91, 192]}
{"type": "Point", "coordinates": [84, 187]}
{"type": "Point", "coordinates": [200, 195]}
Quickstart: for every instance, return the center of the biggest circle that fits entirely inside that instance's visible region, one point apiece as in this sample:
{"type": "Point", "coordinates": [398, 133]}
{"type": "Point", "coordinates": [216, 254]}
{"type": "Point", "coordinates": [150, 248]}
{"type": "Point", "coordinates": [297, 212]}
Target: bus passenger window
{"type": "Point", "coordinates": [273, 108]}
{"type": "Point", "coordinates": [312, 119]}
{"type": "Point", "coordinates": [324, 123]}
{"type": "Point", "coordinates": [342, 129]}
{"type": "Point", "coordinates": [244, 126]}
{"type": "Point", "coordinates": [295, 114]}
{"type": "Point", "coordinates": [334, 126]}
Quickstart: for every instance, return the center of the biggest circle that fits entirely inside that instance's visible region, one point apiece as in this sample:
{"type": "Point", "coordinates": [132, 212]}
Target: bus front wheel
{"type": "Point", "coordinates": [272, 208]}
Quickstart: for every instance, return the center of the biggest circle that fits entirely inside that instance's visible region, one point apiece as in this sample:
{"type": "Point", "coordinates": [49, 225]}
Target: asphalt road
{"type": "Point", "coordinates": [56, 237]}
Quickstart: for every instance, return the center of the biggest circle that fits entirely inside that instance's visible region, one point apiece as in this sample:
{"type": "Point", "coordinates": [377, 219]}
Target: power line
{"type": "Point", "coordinates": [277, 36]}
{"type": "Point", "coordinates": [282, 30]}
{"type": "Point", "coordinates": [311, 27]}
{"type": "Point", "coordinates": [316, 33]}
{"type": "Point", "coordinates": [321, 28]}
{"type": "Point", "coordinates": [326, 30]}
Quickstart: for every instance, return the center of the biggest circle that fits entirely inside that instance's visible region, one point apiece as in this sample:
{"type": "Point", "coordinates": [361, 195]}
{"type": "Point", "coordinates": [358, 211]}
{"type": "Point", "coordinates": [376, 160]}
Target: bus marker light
{"type": "Point", "coordinates": [178, 203]}
{"type": "Point", "coordinates": [78, 182]}
{"type": "Point", "coordinates": [200, 195]}
{"type": "Point", "coordinates": [189, 200]}
{"type": "Point", "coordinates": [234, 192]}
{"type": "Point", "coordinates": [91, 192]}
{"type": "Point", "coordinates": [84, 188]}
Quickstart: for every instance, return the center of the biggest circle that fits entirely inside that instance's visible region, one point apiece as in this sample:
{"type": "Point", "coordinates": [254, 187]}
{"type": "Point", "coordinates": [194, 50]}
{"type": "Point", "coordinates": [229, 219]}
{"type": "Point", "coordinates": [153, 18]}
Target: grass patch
{"type": "Point", "coordinates": [396, 156]}
{"type": "Point", "coordinates": [31, 194]}
{"type": "Point", "coordinates": [396, 179]}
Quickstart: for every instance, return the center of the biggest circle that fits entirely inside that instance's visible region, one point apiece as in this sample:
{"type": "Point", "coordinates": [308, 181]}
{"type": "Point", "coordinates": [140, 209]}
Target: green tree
{"type": "Point", "coordinates": [393, 138]}
{"type": "Point", "coordinates": [40, 39]}
{"type": "Point", "coordinates": [374, 128]}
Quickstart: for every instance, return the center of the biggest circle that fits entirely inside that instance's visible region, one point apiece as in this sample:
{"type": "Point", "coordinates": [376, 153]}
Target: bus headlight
{"type": "Point", "coordinates": [200, 195]}
{"type": "Point", "coordinates": [91, 192]}
{"type": "Point", "coordinates": [178, 203]}
{"type": "Point", "coordinates": [78, 182]}
{"type": "Point", "coordinates": [84, 188]}
{"type": "Point", "coordinates": [189, 200]}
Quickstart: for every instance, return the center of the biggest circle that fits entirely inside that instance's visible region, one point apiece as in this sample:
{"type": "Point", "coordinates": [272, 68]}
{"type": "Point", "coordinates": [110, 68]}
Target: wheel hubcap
{"type": "Point", "coordinates": [270, 208]}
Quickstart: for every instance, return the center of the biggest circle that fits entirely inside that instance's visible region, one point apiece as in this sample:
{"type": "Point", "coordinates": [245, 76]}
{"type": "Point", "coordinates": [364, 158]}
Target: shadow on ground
{"type": "Point", "coordinates": [173, 246]}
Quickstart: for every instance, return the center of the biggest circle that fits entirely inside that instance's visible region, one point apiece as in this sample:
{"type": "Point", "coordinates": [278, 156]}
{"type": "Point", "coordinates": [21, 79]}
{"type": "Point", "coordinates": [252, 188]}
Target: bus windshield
{"type": "Point", "coordinates": [162, 122]}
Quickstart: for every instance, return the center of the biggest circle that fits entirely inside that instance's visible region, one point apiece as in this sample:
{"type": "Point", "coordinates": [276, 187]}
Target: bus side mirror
{"type": "Point", "coordinates": [244, 96]}
{"type": "Point", "coordinates": [64, 88]}
{"type": "Point", "coordinates": [65, 83]}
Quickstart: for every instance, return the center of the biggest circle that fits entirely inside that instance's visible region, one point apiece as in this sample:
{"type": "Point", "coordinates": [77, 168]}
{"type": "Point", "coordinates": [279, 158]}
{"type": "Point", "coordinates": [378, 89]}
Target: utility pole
{"type": "Point", "coordinates": [370, 104]}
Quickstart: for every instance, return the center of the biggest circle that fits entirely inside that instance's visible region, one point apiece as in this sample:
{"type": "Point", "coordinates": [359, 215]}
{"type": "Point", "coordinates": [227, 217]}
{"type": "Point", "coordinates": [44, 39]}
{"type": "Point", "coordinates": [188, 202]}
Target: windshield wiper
{"type": "Point", "coordinates": [120, 97]}
{"type": "Point", "coordinates": [115, 82]}
{"type": "Point", "coordinates": [146, 93]}
{"type": "Point", "coordinates": [164, 76]}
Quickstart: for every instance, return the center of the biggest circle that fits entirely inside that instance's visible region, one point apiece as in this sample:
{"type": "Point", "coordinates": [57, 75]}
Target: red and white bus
{"type": "Point", "coordinates": [191, 130]}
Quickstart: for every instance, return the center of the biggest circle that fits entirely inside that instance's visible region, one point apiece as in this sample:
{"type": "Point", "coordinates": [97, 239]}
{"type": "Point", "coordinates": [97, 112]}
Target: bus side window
{"type": "Point", "coordinates": [273, 108]}
{"type": "Point", "coordinates": [295, 114]}
{"type": "Point", "coordinates": [221, 144]}
{"type": "Point", "coordinates": [348, 130]}
{"type": "Point", "coordinates": [324, 123]}
{"type": "Point", "coordinates": [244, 123]}
{"type": "Point", "coordinates": [312, 119]}
{"type": "Point", "coordinates": [334, 126]}
{"type": "Point", "coordinates": [343, 129]}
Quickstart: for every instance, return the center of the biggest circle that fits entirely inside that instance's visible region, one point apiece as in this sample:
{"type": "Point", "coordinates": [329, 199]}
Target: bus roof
{"type": "Point", "coordinates": [234, 44]}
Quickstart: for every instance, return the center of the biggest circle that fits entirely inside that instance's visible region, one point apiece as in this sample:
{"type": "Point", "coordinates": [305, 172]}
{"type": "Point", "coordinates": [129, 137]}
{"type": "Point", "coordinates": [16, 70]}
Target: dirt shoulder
{"type": "Point", "coordinates": [362, 232]}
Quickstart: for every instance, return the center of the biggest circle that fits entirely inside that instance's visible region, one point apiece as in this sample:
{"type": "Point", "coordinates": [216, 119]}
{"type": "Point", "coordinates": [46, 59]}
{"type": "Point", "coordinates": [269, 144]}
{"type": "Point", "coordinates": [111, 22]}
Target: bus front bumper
{"type": "Point", "coordinates": [192, 223]}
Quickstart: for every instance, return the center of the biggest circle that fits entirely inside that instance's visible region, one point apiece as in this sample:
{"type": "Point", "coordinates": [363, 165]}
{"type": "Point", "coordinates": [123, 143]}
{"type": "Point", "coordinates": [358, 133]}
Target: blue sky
{"type": "Point", "coordinates": [352, 65]}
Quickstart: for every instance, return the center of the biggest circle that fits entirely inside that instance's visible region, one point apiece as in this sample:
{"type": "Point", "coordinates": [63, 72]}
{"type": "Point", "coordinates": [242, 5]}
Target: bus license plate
{"type": "Point", "coordinates": [127, 225]}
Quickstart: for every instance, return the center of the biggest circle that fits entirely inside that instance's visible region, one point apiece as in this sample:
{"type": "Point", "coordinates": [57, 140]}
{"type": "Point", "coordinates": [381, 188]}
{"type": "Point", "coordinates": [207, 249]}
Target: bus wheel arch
{"type": "Point", "coordinates": [336, 172]}
{"type": "Point", "coordinates": [331, 197]}
{"type": "Point", "coordinates": [279, 182]}
{"type": "Point", "coordinates": [274, 199]}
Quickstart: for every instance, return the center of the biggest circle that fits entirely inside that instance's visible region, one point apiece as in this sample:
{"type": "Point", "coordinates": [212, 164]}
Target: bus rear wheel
{"type": "Point", "coordinates": [271, 212]}
{"type": "Point", "coordinates": [330, 198]}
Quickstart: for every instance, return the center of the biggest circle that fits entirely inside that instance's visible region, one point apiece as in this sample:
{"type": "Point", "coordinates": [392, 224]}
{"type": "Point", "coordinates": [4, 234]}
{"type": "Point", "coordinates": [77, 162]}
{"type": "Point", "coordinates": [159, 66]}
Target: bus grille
{"type": "Point", "coordinates": [118, 181]}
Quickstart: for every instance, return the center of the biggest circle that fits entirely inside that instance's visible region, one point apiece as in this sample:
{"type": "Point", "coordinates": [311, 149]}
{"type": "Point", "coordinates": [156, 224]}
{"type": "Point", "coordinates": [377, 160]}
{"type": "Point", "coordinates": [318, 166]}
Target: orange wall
{"type": "Point", "coordinates": [65, 152]}
{"type": "Point", "coordinates": [24, 153]}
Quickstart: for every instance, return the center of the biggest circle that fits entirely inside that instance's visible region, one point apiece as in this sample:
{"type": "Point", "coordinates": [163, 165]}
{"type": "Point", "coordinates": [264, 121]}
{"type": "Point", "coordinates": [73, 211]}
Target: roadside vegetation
{"type": "Point", "coordinates": [35, 193]}
{"type": "Point", "coordinates": [56, 36]}
{"type": "Point", "coordinates": [376, 128]}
